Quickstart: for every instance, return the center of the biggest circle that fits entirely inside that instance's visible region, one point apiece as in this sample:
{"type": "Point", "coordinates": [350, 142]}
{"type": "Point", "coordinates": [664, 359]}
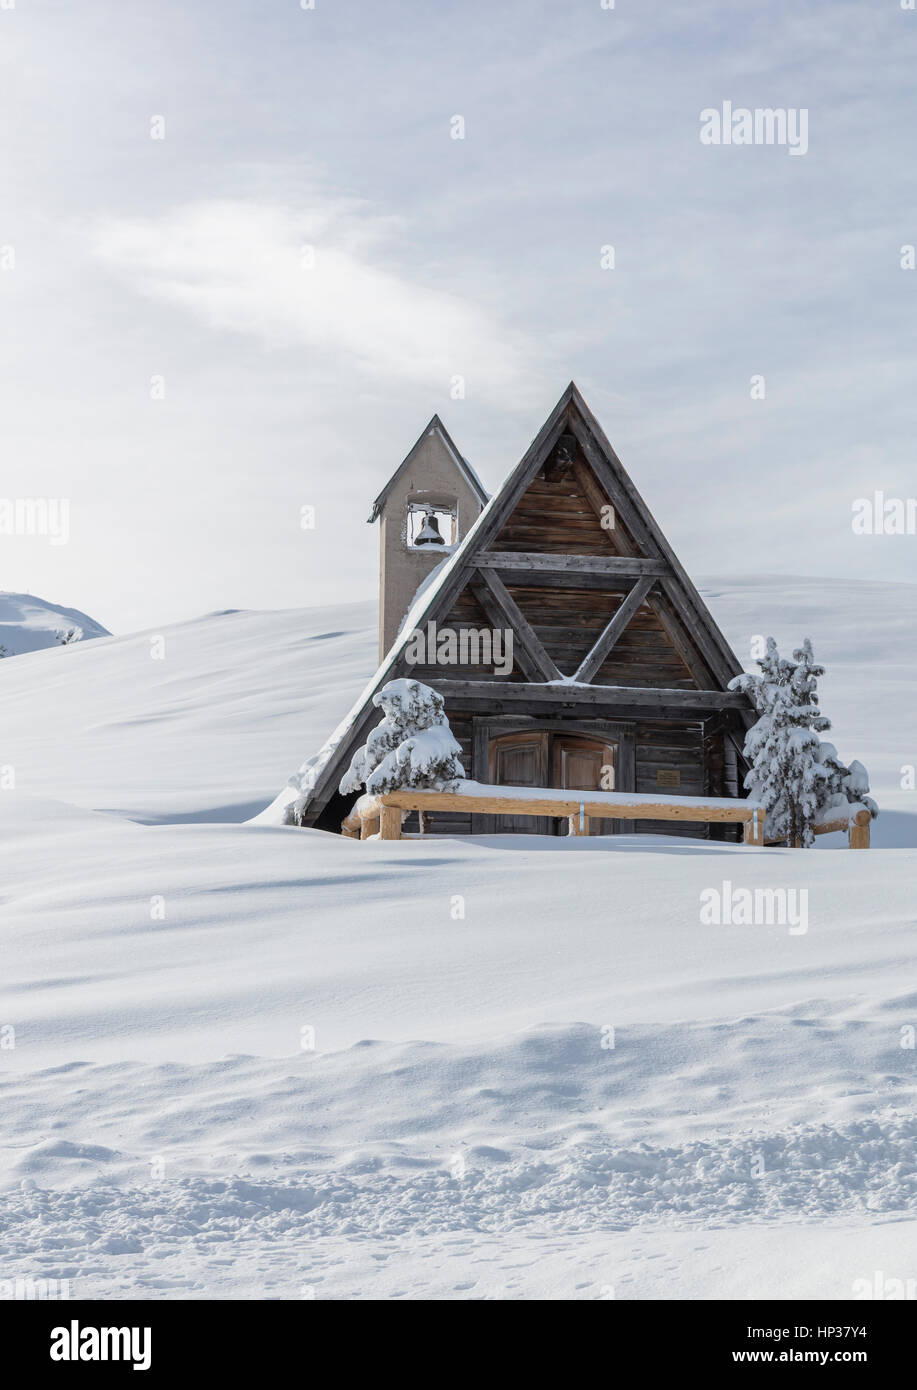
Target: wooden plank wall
{"type": "Point", "coordinates": [466, 613]}
{"type": "Point", "coordinates": [659, 745]}
{"type": "Point", "coordinates": [556, 516]}
{"type": "Point", "coordinates": [663, 746]}
{"type": "Point", "coordinates": [569, 621]}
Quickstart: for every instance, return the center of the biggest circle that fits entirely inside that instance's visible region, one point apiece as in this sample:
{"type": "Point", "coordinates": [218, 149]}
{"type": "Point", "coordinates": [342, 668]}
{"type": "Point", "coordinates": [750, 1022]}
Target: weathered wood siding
{"type": "Point", "coordinates": [556, 516]}
{"type": "Point", "coordinates": [658, 745]}
{"type": "Point", "coordinates": [668, 644]}
{"type": "Point", "coordinates": [569, 621]}
{"type": "Point", "coordinates": [666, 747]}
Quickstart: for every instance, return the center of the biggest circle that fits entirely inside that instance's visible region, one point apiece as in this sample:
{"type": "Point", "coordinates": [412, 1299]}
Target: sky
{"type": "Point", "coordinates": [244, 258]}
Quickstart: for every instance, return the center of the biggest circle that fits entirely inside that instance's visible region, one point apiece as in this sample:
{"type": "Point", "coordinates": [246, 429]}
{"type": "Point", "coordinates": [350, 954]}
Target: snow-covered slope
{"type": "Point", "coordinates": [219, 1085]}
{"type": "Point", "coordinates": [27, 624]}
{"type": "Point", "coordinates": [206, 720]}
{"type": "Point", "coordinates": [262, 1061]}
{"type": "Point", "coordinates": [201, 720]}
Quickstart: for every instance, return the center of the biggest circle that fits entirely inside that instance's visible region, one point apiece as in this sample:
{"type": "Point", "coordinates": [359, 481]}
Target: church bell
{"type": "Point", "coordinates": [429, 534]}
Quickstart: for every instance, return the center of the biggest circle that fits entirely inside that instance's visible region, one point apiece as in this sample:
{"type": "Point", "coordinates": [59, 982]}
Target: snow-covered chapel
{"type": "Point", "coordinates": [606, 666]}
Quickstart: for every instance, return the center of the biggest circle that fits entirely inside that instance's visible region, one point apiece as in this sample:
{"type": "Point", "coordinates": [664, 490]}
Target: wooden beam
{"type": "Point", "coordinates": [498, 619]}
{"type": "Point", "coordinates": [828, 827]}
{"type": "Point", "coordinates": [856, 828]}
{"type": "Point", "coordinates": [502, 506]}
{"type": "Point", "coordinates": [681, 640]}
{"type": "Point", "coordinates": [612, 631]}
{"type": "Point", "coordinates": [603, 572]}
{"type": "Point", "coordinates": [569, 804]}
{"type": "Point", "coordinates": [598, 502]}
{"type": "Point", "coordinates": [514, 618]}
{"type": "Point", "coordinates": [641, 524]}
{"type": "Point", "coordinates": [628, 566]}
{"type": "Point", "coordinates": [568, 579]}
{"type": "Point", "coordinates": [647, 699]}
{"type": "Point", "coordinates": [389, 822]}
{"type": "Point", "coordinates": [859, 830]}
{"type": "Point", "coordinates": [626, 506]}
{"type": "Point", "coordinates": [739, 747]}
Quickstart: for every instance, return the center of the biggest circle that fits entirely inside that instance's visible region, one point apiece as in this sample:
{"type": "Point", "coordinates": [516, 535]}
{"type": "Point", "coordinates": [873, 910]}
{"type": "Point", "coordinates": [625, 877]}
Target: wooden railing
{"type": "Point", "coordinates": [381, 814]}
{"type": "Point", "coordinates": [855, 824]}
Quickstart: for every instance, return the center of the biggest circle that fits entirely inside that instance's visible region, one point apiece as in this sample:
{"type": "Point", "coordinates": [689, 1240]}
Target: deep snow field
{"type": "Point", "coordinates": [270, 1063]}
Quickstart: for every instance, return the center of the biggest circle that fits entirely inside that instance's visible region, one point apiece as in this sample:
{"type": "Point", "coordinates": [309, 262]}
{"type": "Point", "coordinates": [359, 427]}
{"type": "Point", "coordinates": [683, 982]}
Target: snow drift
{"type": "Point", "coordinates": [252, 1060]}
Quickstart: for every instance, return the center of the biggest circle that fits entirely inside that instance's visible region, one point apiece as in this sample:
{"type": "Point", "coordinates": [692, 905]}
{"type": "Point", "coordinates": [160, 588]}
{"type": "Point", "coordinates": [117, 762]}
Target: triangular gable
{"type": "Point", "coordinates": [640, 521]}
{"type": "Point", "coordinates": [658, 586]}
{"type": "Point", "coordinates": [435, 426]}
{"type": "Point", "coordinates": [560, 511]}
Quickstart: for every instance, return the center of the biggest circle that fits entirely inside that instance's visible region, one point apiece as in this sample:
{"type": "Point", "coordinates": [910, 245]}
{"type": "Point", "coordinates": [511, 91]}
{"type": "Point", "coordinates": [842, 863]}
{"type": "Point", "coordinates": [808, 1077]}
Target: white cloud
{"type": "Point", "coordinates": [244, 267]}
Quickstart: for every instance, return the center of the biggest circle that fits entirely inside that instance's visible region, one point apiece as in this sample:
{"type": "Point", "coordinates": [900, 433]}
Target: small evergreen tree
{"type": "Point", "coordinates": [792, 772]}
{"type": "Point", "coordinates": [412, 747]}
{"type": "Point", "coordinates": [786, 774]}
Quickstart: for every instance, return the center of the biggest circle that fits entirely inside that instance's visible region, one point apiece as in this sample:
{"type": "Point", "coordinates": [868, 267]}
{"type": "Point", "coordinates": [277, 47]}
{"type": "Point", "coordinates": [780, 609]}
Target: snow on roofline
{"type": "Point", "coordinates": [299, 787]}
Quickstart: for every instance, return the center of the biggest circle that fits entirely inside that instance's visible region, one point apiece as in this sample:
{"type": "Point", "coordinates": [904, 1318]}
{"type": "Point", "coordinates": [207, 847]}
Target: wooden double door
{"type": "Point", "coordinates": [542, 758]}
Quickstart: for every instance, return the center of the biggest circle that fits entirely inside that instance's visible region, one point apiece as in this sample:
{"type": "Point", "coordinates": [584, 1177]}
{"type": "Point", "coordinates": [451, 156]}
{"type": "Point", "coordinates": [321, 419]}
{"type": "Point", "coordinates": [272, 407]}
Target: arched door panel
{"type": "Point", "coordinates": [520, 760]}
{"type": "Point", "coordinates": [585, 764]}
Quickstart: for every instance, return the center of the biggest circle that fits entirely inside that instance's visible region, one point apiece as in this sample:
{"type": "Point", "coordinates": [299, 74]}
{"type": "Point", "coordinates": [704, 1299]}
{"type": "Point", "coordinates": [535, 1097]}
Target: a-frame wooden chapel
{"type": "Point", "coordinates": [617, 662]}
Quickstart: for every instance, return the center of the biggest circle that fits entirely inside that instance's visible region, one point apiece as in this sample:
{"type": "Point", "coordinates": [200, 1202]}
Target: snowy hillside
{"type": "Point", "coordinates": [264, 1062]}
{"type": "Point", "coordinates": [27, 624]}
{"type": "Point", "coordinates": [206, 720]}
{"type": "Point", "coordinates": [202, 720]}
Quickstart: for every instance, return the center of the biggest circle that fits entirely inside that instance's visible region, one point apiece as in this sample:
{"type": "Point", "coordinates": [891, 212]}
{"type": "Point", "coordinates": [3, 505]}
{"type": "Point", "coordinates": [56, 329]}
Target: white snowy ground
{"type": "Point", "coordinates": [458, 1130]}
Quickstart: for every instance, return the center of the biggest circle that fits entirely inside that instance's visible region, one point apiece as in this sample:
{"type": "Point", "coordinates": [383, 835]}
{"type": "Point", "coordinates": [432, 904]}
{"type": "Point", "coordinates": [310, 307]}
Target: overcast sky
{"type": "Point", "coordinates": [287, 383]}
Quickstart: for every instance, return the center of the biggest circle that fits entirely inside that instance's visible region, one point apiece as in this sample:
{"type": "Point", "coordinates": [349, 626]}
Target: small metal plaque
{"type": "Point", "coordinates": [668, 777]}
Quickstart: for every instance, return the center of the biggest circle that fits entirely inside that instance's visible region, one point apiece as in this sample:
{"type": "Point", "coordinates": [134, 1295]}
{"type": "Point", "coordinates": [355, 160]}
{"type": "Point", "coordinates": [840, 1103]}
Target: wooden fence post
{"type": "Point", "coordinates": [859, 830]}
{"type": "Point", "coordinates": [390, 823]}
{"type": "Point", "coordinates": [754, 830]}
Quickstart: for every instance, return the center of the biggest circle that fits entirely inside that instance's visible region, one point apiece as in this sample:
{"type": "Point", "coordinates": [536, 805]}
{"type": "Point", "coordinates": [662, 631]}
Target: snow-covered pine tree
{"type": "Point", "coordinates": [412, 747]}
{"type": "Point", "coordinates": [786, 774]}
{"type": "Point", "coordinates": [793, 773]}
{"type": "Point", "coordinates": [844, 785]}
{"type": "Point", "coordinates": [806, 783]}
